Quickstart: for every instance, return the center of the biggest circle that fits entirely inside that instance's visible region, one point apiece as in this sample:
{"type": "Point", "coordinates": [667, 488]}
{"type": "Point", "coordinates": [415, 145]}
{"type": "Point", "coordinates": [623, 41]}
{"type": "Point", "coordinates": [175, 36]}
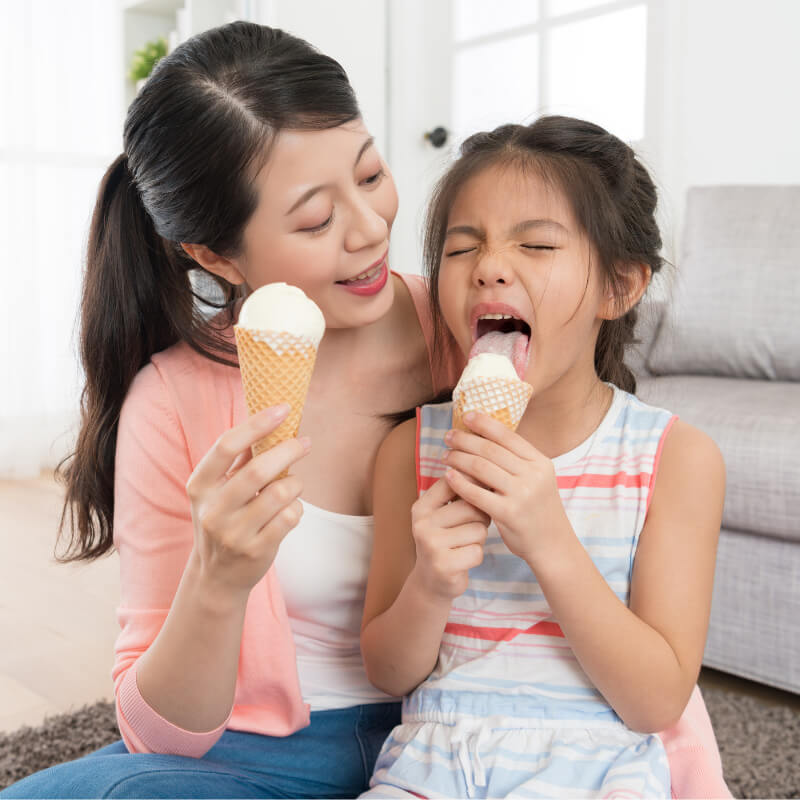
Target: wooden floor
{"type": "Point", "coordinates": [57, 621]}
{"type": "Point", "coordinates": [58, 624]}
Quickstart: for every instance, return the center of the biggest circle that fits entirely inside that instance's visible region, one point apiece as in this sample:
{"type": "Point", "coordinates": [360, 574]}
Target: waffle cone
{"type": "Point", "coordinates": [502, 399]}
{"type": "Point", "coordinates": [276, 368]}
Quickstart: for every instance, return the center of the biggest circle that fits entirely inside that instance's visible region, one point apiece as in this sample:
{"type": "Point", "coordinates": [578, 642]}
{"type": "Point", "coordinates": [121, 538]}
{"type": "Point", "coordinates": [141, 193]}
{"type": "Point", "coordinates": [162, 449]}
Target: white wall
{"type": "Point", "coordinates": [730, 108]}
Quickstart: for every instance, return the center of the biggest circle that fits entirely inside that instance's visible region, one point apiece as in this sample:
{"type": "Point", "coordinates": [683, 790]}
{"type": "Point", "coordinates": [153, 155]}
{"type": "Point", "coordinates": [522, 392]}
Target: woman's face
{"type": "Point", "coordinates": [326, 203]}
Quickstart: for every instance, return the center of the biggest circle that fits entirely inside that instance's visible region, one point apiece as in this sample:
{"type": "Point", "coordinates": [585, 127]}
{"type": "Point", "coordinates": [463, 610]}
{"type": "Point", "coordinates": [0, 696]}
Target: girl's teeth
{"type": "Point", "coordinates": [495, 316]}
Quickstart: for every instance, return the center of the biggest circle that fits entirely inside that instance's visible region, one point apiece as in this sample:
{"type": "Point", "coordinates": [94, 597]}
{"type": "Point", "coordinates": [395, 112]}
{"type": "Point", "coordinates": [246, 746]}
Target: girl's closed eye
{"type": "Point", "coordinates": [539, 247]}
{"type": "Point", "coordinates": [459, 251]}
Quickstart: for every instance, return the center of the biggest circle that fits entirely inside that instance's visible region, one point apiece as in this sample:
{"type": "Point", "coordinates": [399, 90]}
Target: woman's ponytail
{"type": "Point", "coordinates": [121, 325]}
{"type": "Point", "coordinates": [137, 300]}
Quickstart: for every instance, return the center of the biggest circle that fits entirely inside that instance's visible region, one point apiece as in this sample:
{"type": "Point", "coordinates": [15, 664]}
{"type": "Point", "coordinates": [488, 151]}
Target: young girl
{"type": "Point", "coordinates": [546, 598]}
{"type": "Point", "coordinates": [238, 671]}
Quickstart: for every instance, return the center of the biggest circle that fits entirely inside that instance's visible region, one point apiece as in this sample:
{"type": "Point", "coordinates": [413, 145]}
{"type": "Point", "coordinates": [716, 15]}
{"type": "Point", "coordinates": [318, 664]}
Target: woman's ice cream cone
{"type": "Point", "coordinates": [277, 336]}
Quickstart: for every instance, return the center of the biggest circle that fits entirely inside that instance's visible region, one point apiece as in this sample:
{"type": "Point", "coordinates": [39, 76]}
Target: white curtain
{"type": "Point", "coordinates": [61, 111]}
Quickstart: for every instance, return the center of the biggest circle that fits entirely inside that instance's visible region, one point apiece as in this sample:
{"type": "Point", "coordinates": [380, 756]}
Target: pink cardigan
{"type": "Point", "coordinates": [177, 407]}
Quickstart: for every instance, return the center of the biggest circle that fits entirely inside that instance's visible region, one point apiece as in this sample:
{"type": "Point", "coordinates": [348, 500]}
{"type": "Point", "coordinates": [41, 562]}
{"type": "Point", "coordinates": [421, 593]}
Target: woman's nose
{"type": "Point", "coordinates": [367, 227]}
{"type": "Point", "coordinates": [492, 269]}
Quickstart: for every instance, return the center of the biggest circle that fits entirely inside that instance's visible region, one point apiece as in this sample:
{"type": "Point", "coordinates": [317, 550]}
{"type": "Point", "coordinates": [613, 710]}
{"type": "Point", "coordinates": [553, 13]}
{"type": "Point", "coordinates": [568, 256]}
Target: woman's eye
{"type": "Point", "coordinates": [320, 227]}
{"type": "Point", "coordinates": [373, 179]}
{"type": "Point", "coordinates": [539, 247]}
{"type": "Point", "coordinates": [460, 252]}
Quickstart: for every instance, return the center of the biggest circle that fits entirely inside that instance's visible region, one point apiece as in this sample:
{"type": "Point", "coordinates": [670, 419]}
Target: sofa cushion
{"type": "Point", "coordinates": [736, 306]}
{"type": "Point", "coordinates": [755, 425]}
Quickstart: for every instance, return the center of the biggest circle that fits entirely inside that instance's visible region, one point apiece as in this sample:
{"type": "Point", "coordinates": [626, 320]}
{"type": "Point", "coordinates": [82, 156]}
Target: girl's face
{"type": "Point", "coordinates": [325, 209]}
{"type": "Point", "coordinates": [513, 248]}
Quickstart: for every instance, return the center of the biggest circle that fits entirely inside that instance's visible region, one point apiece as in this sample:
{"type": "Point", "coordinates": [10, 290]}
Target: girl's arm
{"type": "Point", "coordinates": [421, 554]}
{"type": "Point", "coordinates": [645, 658]}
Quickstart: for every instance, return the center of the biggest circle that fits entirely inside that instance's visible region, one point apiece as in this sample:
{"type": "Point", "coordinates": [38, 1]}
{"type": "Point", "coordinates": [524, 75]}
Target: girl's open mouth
{"type": "Point", "coordinates": [506, 335]}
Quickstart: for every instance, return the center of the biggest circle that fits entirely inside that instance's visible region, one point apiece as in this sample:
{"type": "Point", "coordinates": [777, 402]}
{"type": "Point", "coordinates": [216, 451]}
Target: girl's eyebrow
{"type": "Point", "coordinates": [314, 189]}
{"type": "Point", "coordinates": [528, 224]}
{"type": "Point", "coordinates": [520, 227]}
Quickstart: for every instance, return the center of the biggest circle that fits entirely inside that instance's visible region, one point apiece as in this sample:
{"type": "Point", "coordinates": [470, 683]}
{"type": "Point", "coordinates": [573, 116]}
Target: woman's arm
{"type": "Point", "coordinates": [191, 546]}
{"type": "Point", "coordinates": [644, 658]}
{"type": "Point", "coordinates": [422, 552]}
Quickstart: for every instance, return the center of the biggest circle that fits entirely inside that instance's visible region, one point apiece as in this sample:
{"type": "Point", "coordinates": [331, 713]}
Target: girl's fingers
{"type": "Point", "coordinates": [465, 558]}
{"type": "Point", "coordinates": [458, 513]}
{"type": "Point", "coordinates": [480, 469]}
{"type": "Point", "coordinates": [219, 460]}
{"type": "Point", "coordinates": [468, 442]}
{"type": "Point", "coordinates": [484, 499]}
{"type": "Point", "coordinates": [261, 471]}
{"type": "Point", "coordinates": [495, 431]}
{"type": "Point", "coordinates": [440, 494]}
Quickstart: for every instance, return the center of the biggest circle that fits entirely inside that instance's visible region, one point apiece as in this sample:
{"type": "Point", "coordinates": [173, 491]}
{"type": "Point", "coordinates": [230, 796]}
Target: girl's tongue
{"type": "Point", "coordinates": [513, 346]}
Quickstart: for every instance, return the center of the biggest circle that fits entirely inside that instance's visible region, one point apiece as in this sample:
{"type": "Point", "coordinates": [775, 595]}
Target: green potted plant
{"type": "Point", "coordinates": [145, 59]}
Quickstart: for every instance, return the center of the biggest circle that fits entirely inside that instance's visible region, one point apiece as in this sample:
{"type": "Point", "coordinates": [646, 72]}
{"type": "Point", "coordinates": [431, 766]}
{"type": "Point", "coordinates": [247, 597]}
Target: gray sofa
{"type": "Point", "coordinates": [724, 354]}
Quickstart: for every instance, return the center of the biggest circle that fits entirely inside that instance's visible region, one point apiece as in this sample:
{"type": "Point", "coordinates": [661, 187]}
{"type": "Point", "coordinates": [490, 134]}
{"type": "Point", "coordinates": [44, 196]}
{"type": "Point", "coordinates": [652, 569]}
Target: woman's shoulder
{"type": "Point", "coordinates": [181, 389]}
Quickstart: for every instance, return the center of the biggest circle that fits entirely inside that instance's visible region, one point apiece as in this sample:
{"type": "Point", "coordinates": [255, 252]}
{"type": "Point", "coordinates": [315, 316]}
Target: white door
{"type": "Point", "coordinates": [468, 65]}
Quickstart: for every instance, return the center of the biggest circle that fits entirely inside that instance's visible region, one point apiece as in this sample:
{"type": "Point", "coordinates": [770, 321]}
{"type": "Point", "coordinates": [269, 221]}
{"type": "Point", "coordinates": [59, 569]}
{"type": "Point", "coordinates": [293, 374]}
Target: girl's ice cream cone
{"type": "Point", "coordinates": [489, 384]}
{"type": "Point", "coordinates": [277, 336]}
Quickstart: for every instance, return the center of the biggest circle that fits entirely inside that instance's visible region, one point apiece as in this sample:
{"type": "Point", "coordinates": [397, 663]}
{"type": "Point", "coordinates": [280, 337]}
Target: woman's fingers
{"type": "Point", "coordinates": [261, 471]}
{"type": "Point", "coordinates": [272, 502]}
{"type": "Point", "coordinates": [219, 460]}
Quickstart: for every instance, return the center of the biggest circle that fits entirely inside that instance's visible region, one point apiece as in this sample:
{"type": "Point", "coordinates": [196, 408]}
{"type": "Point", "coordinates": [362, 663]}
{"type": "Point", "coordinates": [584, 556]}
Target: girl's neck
{"type": "Point", "coordinates": [559, 418]}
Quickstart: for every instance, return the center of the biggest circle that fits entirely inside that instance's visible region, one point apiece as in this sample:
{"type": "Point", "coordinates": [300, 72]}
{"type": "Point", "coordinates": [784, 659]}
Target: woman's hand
{"type": "Point", "coordinates": [448, 534]}
{"type": "Point", "coordinates": [499, 472]}
{"type": "Point", "coordinates": [240, 511]}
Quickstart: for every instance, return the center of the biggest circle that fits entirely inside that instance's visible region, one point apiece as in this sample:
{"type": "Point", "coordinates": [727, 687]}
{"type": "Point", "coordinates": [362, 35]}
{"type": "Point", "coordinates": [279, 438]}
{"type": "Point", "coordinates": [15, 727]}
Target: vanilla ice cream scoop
{"type": "Point", "coordinates": [486, 365]}
{"type": "Point", "coordinates": [284, 308]}
{"type": "Point", "coordinates": [490, 384]}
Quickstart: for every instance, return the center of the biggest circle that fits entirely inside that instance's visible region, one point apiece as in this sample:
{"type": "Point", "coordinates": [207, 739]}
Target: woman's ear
{"type": "Point", "coordinates": [634, 279]}
{"type": "Point", "coordinates": [216, 264]}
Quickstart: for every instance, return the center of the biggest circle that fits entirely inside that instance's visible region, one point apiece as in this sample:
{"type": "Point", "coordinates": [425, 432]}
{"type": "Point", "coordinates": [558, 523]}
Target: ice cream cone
{"type": "Point", "coordinates": [503, 399]}
{"type": "Point", "coordinates": [276, 368]}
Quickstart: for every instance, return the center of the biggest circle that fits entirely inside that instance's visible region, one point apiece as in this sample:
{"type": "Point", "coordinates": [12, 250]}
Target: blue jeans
{"type": "Point", "coordinates": [332, 757]}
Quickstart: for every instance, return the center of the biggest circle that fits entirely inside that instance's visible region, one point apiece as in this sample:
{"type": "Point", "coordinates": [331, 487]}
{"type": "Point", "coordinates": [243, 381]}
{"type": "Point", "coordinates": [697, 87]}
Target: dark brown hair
{"type": "Point", "coordinates": [194, 139]}
{"type": "Point", "coordinates": [611, 195]}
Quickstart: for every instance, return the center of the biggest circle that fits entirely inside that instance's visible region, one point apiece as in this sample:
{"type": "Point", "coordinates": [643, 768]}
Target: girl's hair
{"type": "Point", "coordinates": [611, 195]}
{"type": "Point", "coordinates": [194, 140]}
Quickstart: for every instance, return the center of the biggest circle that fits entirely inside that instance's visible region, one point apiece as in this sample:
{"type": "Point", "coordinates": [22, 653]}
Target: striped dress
{"type": "Point", "coordinates": [508, 709]}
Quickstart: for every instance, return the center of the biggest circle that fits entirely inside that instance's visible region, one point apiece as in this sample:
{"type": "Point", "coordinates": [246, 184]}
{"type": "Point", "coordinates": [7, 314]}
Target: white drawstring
{"type": "Point", "coordinates": [467, 741]}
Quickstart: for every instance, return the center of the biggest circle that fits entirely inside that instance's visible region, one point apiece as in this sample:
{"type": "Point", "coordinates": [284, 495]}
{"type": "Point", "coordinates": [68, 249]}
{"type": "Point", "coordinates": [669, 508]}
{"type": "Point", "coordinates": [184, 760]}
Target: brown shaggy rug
{"type": "Point", "coordinates": [759, 742]}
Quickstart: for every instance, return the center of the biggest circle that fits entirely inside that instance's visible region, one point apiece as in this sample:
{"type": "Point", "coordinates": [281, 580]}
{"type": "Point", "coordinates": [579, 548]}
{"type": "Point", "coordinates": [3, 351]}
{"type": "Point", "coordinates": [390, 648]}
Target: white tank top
{"type": "Point", "coordinates": [322, 567]}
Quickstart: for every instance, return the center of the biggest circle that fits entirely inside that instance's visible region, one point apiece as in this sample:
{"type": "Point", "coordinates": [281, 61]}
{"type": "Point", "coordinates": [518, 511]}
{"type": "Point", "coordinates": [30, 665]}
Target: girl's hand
{"type": "Point", "coordinates": [499, 472]}
{"type": "Point", "coordinates": [240, 512]}
{"type": "Point", "coordinates": [449, 535]}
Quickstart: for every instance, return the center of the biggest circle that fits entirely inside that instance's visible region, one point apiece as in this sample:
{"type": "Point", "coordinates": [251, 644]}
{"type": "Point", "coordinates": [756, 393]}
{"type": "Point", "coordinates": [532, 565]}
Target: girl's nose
{"type": "Point", "coordinates": [367, 227]}
{"type": "Point", "coordinates": [492, 269]}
